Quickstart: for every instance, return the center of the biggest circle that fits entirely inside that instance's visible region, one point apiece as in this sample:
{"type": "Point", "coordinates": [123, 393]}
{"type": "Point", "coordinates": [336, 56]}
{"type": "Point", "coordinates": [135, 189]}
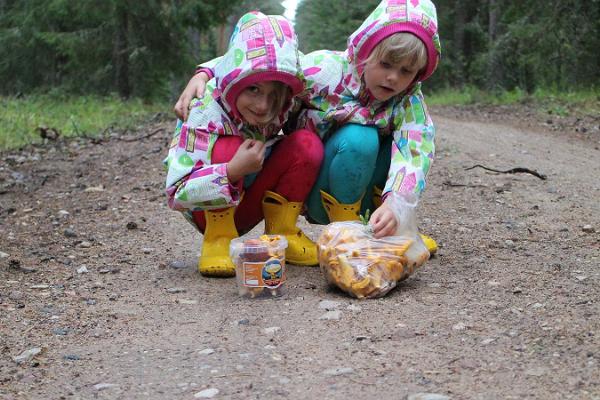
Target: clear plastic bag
{"type": "Point", "coordinates": [365, 267]}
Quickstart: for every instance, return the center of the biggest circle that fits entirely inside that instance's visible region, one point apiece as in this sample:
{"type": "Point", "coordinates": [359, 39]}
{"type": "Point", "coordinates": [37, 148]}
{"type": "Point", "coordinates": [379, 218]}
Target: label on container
{"type": "Point", "coordinates": [269, 274]}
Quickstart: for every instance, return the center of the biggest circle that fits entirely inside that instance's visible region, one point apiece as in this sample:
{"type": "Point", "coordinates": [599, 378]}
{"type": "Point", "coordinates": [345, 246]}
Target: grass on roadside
{"type": "Point", "coordinates": [70, 115]}
{"type": "Point", "coordinates": [582, 102]}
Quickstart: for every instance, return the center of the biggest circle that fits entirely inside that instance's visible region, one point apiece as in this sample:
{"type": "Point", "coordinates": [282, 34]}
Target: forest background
{"type": "Point", "coordinates": [66, 62]}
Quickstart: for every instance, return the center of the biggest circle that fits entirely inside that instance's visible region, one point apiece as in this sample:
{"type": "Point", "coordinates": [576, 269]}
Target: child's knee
{"type": "Point", "coordinates": [307, 145]}
{"type": "Point", "coordinates": [358, 140]}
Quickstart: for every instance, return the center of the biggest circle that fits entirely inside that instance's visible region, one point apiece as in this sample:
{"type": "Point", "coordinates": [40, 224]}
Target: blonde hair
{"type": "Point", "coordinates": [399, 47]}
{"type": "Point", "coordinates": [281, 94]}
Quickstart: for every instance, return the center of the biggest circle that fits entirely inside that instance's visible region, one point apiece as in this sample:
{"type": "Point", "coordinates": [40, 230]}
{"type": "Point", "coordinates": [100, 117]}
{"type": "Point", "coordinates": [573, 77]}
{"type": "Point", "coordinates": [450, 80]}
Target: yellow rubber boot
{"type": "Point", "coordinates": [280, 219]}
{"type": "Point", "coordinates": [337, 211]}
{"type": "Point", "coordinates": [427, 240]}
{"type": "Point", "coordinates": [220, 229]}
{"type": "Point", "coordinates": [429, 243]}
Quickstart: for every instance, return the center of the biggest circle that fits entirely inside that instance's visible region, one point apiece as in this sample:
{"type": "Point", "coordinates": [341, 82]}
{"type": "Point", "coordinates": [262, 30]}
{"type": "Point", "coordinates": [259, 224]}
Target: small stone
{"type": "Point", "coordinates": [60, 331]}
{"type": "Point", "coordinates": [82, 270]}
{"type": "Point", "coordinates": [15, 295]}
{"type": "Point", "coordinates": [207, 393]}
{"type": "Point", "coordinates": [39, 286]}
{"type": "Point", "coordinates": [27, 355]}
{"type": "Point", "coordinates": [131, 225]}
{"type": "Point", "coordinates": [331, 316]}
{"type": "Point", "coordinates": [176, 290]}
{"type": "Point", "coordinates": [329, 305]}
{"type": "Point", "coordinates": [206, 352]}
{"type": "Point", "coordinates": [70, 233]}
{"type": "Point", "coordinates": [588, 229]}
{"type": "Point", "coordinates": [459, 326]}
{"type": "Point", "coordinates": [187, 301]}
{"type": "Point", "coordinates": [272, 330]}
{"type": "Point", "coordinates": [103, 386]}
{"type": "Point", "coordinates": [177, 264]}
{"type": "Point", "coordinates": [427, 396]}
{"type": "Point", "coordinates": [338, 371]}
{"type": "Point", "coordinates": [98, 188]}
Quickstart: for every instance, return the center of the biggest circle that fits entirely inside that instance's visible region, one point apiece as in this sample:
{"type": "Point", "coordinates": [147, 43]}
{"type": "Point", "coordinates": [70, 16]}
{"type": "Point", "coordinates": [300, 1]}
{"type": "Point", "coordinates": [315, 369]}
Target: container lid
{"type": "Point", "coordinates": [261, 245]}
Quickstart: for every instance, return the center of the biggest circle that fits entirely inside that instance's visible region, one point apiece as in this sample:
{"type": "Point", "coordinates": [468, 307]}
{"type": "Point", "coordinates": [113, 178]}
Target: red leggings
{"type": "Point", "coordinates": [290, 171]}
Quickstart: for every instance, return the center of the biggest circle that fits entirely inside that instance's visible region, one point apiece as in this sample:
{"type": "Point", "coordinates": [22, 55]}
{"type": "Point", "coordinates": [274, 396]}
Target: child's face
{"type": "Point", "coordinates": [385, 80]}
{"type": "Point", "coordinates": [256, 103]}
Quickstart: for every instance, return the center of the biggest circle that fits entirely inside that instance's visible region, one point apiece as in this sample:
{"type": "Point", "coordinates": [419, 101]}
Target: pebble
{"type": "Point", "coordinates": [40, 286]}
{"type": "Point", "coordinates": [206, 352]}
{"type": "Point", "coordinates": [27, 355]}
{"type": "Point", "coordinates": [70, 233]}
{"type": "Point", "coordinates": [60, 331]}
{"type": "Point", "coordinates": [187, 301]}
{"type": "Point", "coordinates": [588, 229]}
{"type": "Point", "coordinates": [272, 330]}
{"type": "Point", "coordinates": [174, 290]}
{"type": "Point", "coordinates": [427, 396]}
{"type": "Point", "coordinates": [331, 315]}
{"type": "Point", "coordinates": [15, 295]}
{"type": "Point", "coordinates": [102, 386]}
{"type": "Point", "coordinates": [82, 270]}
{"type": "Point", "coordinates": [329, 305]}
{"type": "Point", "coordinates": [459, 327]}
{"type": "Point", "coordinates": [338, 371]}
{"type": "Point", "coordinates": [177, 264]}
{"type": "Point", "coordinates": [4, 255]}
{"type": "Point", "coordinates": [207, 393]}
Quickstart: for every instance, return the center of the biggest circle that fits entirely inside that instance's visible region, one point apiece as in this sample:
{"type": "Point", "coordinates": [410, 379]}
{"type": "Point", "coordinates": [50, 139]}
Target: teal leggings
{"type": "Point", "coordinates": [356, 159]}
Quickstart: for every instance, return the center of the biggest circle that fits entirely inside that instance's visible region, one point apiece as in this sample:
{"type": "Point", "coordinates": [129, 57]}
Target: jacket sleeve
{"type": "Point", "coordinates": [208, 67]}
{"type": "Point", "coordinates": [193, 183]}
{"type": "Point", "coordinates": [412, 148]}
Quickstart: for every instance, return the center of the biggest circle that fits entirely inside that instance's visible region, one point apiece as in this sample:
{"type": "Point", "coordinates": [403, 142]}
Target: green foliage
{"type": "Point", "coordinates": [70, 115]}
{"type": "Point", "coordinates": [327, 24]}
{"type": "Point", "coordinates": [495, 45]}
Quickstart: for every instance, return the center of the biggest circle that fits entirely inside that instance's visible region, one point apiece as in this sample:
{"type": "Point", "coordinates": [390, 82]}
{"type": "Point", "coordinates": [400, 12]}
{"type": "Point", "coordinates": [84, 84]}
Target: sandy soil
{"type": "Point", "coordinates": [99, 275]}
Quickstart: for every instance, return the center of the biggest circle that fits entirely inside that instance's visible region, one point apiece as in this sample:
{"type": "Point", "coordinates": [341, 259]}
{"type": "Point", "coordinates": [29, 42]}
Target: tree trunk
{"type": "Point", "coordinates": [121, 52]}
{"type": "Point", "coordinates": [459, 38]}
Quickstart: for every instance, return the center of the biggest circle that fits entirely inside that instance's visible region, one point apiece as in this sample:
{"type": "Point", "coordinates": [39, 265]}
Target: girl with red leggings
{"type": "Point", "coordinates": [229, 166]}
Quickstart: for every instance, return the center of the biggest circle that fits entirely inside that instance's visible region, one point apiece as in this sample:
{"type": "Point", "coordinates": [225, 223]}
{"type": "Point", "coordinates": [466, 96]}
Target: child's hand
{"type": "Point", "coordinates": [248, 159]}
{"type": "Point", "coordinates": [383, 221]}
{"type": "Point", "coordinates": [194, 89]}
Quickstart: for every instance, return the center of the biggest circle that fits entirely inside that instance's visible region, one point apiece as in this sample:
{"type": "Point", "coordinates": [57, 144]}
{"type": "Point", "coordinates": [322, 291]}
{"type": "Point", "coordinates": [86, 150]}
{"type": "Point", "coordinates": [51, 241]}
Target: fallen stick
{"type": "Point", "coordinates": [511, 171]}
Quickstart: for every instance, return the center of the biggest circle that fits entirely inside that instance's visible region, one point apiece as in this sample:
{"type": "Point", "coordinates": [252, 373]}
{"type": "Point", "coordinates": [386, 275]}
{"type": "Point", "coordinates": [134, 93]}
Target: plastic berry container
{"type": "Point", "coordinates": [260, 266]}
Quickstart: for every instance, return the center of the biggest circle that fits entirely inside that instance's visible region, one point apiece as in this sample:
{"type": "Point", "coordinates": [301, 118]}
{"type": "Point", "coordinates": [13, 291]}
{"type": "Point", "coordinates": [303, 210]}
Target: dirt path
{"type": "Point", "coordinates": [509, 309]}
